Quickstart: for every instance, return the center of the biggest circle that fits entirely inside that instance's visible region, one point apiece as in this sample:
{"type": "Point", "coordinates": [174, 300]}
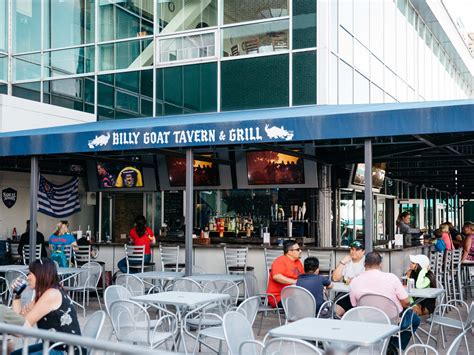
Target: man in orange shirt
{"type": "Point", "coordinates": [285, 271]}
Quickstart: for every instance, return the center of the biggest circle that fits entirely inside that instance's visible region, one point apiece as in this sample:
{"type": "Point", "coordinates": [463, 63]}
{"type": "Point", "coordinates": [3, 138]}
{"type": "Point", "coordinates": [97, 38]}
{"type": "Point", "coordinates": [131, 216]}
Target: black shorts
{"type": "Point", "coordinates": [345, 303]}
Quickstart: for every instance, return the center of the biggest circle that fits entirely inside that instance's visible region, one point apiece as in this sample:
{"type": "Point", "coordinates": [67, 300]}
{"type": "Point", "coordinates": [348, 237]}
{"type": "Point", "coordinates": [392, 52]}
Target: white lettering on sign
{"type": "Point", "coordinates": [156, 137]}
{"type": "Point", "coordinates": [125, 138]}
{"type": "Point", "coordinates": [245, 134]}
{"type": "Point", "coordinates": [194, 136]}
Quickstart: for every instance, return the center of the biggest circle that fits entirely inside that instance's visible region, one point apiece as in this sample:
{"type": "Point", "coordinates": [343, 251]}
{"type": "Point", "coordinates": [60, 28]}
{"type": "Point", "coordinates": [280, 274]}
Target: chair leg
{"type": "Point", "coordinates": [261, 322]}
{"type": "Point", "coordinates": [98, 298]}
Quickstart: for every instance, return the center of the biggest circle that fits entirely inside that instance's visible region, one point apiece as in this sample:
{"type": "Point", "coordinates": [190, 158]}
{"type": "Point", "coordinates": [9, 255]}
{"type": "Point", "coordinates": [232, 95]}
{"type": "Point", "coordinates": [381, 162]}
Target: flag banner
{"type": "Point", "coordinates": [58, 200]}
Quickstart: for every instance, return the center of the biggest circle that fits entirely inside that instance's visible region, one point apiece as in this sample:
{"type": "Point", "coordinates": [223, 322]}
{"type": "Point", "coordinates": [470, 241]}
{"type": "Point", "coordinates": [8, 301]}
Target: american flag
{"type": "Point", "coordinates": [58, 200]}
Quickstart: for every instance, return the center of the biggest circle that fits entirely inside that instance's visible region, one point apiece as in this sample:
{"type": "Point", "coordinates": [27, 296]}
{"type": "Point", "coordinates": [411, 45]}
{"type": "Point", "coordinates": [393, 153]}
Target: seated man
{"type": "Point", "coordinates": [285, 270]}
{"type": "Point", "coordinates": [349, 267]}
{"type": "Point", "coordinates": [373, 280]}
{"type": "Point", "coordinates": [313, 282]}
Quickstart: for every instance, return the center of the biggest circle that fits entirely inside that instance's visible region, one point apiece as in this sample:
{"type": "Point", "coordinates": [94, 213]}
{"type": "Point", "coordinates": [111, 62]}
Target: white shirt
{"type": "Point", "coordinates": [352, 269]}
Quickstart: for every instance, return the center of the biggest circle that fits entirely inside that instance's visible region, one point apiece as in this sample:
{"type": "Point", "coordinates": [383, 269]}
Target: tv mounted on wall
{"type": "Point", "coordinates": [357, 179]}
{"type": "Point", "coordinates": [256, 169]}
{"type": "Point", "coordinates": [121, 176]}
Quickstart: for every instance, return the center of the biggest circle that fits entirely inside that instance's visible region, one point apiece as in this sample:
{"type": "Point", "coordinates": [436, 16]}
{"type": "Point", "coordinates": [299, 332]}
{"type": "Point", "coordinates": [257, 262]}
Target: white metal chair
{"type": "Point", "coordinates": [26, 253]}
{"type": "Point", "coordinates": [325, 261]}
{"type": "Point", "coordinates": [132, 324]}
{"type": "Point", "coordinates": [264, 307]}
{"type": "Point", "coordinates": [298, 303]}
{"type": "Point", "coordinates": [169, 257]}
{"type": "Point", "coordinates": [370, 315]}
{"type": "Point", "coordinates": [85, 282]}
{"type": "Point", "coordinates": [440, 317]}
{"type": "Point", "coordinates": [427, 349]}
{"type": "Point", "coordinates": [456, 274]}
{"type": "Point", "coordinates": [135, 258]}
{"type": "Point", "coordinates": [239, 335]}
{"type": "Point", "coordinates": [270, 256]}
{"type": "Point", "coordinates": [82, 254]}
{"type": "Point", "coordinates": [132, 283]}
{"type": "Point", "coordinates": [248, 308]}
{"type": "Point", "coordinates": [456, 344]}
{"type": "Point", "coordinates": [185, 285]}
{"type": "Point", "coordinates": [114, 293]}
{"type": "Point", "coordinates": [236, 260]}
{"type": "Point", "coordinates": [289, 346]}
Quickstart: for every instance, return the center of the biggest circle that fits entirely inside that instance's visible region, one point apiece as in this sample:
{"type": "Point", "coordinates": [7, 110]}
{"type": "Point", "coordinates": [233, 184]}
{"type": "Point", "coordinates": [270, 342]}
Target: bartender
{"type": "Point", "coordinates": [403, 224]}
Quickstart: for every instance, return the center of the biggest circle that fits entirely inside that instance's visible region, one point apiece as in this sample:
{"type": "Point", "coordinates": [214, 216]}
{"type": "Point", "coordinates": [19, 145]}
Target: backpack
{"type": "Point", "coordinates": [440, 245]}
{"type": "Point", "coordinates": [60, 257]}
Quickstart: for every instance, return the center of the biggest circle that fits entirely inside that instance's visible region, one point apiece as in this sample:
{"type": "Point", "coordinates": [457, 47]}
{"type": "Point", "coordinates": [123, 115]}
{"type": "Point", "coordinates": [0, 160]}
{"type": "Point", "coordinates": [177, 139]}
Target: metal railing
{"type": "Point", "coordinates": [72, 342]}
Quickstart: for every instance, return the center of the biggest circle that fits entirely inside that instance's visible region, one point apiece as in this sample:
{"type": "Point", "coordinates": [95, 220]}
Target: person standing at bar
{"type": "Point", "coordinates": [25, 240]}
{"type": "Point", "coordinates": [284, 272]}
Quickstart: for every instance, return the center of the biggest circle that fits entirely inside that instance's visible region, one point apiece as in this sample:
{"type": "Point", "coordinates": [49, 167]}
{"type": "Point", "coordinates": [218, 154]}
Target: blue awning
{"type": "Point", "coordinates": [289, 124]}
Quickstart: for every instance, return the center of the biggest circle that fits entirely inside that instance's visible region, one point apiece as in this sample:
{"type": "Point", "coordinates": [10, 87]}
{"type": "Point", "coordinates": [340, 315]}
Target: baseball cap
{"type": "Point", "coordinates": [356, 244]}
{"type": "Point", "coordinates": [420, 259]}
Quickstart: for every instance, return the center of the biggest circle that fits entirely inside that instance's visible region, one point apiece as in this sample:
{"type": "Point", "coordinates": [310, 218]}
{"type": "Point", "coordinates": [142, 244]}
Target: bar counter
{"type": "Point", "coordinates": [211, 257]}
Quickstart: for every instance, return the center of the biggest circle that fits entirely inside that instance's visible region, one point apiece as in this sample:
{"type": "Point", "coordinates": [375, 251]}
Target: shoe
{"type": "Point", "coordinates": [392, 350]}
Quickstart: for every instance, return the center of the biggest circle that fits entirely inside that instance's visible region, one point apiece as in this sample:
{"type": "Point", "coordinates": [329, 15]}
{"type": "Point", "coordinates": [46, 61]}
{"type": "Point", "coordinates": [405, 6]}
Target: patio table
{"type": "Point", "coordinates": [183, 301]}
{"type": "Point", "coordinates": [352, 333]}
{"type": "Point", "coordinates": [217, 277]}
{"type": "Point", "coordinates": [15, 267]}
{"type": "Point", "coordinates": [162, 277]}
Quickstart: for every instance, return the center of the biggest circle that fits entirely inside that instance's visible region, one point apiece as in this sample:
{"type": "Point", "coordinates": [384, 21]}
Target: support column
{"type": "Point", "coordinates": [324, 210]}
{"type": "Point", "coordinates": [34, 180]}
{"type": "Point", "coordinates": [369, 200]}
{"type": "Point", "coordinates": [188, 256]}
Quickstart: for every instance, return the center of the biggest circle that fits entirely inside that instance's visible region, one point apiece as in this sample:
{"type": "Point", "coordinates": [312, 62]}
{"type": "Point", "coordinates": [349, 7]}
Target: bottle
{"type": "Point", "coordinates": [14, 236]}
{"type": "Point", "coordinates": [88, 233]}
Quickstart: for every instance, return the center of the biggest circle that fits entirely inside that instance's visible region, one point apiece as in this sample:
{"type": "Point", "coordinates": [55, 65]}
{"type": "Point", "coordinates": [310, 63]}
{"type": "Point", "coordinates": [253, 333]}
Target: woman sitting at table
{"type": "Point", "coordinates": [51, 309]}
{"type": "Point", "coordinates": [468, 245]}
{"type": "Point", "coordinates": [424, 278]}
{"type": "Point", "coordinates": [140, 234]}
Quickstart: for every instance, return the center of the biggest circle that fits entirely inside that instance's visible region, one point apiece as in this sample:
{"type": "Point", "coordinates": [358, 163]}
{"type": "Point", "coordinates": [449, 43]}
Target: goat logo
{"type": "Point", "coordinates": [101, 140]}
{"type": "Point", "coordinates": [278, 132]}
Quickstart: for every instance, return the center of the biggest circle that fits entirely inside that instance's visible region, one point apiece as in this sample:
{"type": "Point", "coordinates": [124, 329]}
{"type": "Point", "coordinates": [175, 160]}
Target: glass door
{"type": "Point", "coordinates": [416, 209]}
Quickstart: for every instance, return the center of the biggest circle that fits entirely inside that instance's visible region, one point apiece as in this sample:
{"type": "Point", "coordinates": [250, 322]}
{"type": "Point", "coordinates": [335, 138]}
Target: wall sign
{"type": "Point", "coordinates": [9, 197]}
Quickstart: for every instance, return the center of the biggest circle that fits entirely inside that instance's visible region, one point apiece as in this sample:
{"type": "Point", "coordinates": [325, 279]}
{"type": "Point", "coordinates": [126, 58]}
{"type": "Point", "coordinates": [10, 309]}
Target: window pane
{"type": "Point", "coordinates": [346, 46]}
{"type": "Point", "coordinates": [186, 89]}
{"type": "Point", "coordinates": [361, 21]}
{"type": "Point", "coordinates": [125, 19]}
{"type": "Point", "coordinates": [26, 67]}
{"type": "Point", "coordinates": [3, 89]}
{"type": "Point", "coordinates": [376, 94]}
{"type": "Point", "coordinates": [304, 23]}
{"type": "Point", "coordinates": [68, 23]}
{"type": "Point", "coordinates": [255, 83]}
{"type": "Point", "coordinates": [26, 25]}
{"type": "Point", "coordinates": [71, 93]}
{"type": "Point", "coordinates": [182, 15]}
{"type": "Point", "coordinates": [69, 62]}
{"type": "Point", "coordinates": [361, 58]}
{"type": "Point", "coordinates": [123, 55]}
{"type": "Point", "coordinates": [187, 47]}
{"type": "Point", "coordinates": [345, 83]}
{"type": "Point", "coordinates": [251, 10]}
{"type": "Point", "coordinates": [3, 26]}
{"type": "Point", "coordinates": [3, 68]}
{"type": "Point", "coordinates": [361, 89]}
{"type": "Point", "coordinates": [258, 38]}
{"type": "Point", "coordinates": [304, 78]}
{"type": "Point", "coordinates": [346, 14]}
{"type": "Point", "coordinates": [29, 91]}
{"type": "Point", "coordinates": [376, 26]}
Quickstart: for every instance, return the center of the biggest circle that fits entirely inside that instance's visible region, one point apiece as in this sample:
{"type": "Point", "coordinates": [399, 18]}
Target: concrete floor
{"type": "Point", "coordinates": [270, 321]}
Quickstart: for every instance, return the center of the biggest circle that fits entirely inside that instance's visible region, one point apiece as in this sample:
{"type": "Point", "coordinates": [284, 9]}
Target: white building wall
{"type": "Point", "coordinates": [16, 216]}
{"type": "Point", "coordinates": [18, 114]}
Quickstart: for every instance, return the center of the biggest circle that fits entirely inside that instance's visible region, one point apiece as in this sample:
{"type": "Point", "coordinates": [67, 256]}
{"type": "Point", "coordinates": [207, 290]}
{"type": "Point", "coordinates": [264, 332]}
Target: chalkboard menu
{"type": "Point", "coordinates": [173, 210]}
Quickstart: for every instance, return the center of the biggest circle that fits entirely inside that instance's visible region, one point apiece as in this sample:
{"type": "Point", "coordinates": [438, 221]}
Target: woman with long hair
{"type": "Point", "coordinates": [424, 278]}
{"type": "Point", "coordinates": [51, 308]}
{"type": "Point", "coordinates": [140, 234]}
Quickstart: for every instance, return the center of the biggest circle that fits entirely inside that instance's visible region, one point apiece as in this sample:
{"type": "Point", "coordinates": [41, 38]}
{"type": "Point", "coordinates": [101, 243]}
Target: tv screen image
{"type": "Point", "coordinates": [205, 173]}
{"type": "Point", "coordinates": [118, 176]}
{"type": "Point", "coordinates": [378, 175]}
{"type": "Point", "coordinates": [269, 167]}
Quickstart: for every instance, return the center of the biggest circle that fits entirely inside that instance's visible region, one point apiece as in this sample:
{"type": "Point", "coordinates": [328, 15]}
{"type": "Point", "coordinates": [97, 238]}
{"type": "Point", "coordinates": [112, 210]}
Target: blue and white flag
{"type": "Point", "coordinates": [58, 200]}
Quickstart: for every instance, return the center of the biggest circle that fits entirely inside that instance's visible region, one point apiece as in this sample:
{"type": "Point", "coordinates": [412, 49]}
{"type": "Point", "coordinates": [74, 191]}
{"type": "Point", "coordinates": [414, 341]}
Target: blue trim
{"type": "Point", "coordinates": [240, 127]}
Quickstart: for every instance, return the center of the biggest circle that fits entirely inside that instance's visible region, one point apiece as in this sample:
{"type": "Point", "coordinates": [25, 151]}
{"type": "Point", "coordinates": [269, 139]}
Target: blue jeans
{"type": "Point", "coordinates": [406, 335]}
{"type": "Point", "coordinates": [37, 349]}
{"type": "Point", "coordinates": [122, 264]}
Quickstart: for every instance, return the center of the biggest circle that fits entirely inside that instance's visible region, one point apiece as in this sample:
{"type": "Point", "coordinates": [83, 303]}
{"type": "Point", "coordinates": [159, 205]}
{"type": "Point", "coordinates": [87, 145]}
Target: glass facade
{"type": "Point", "coordinates": [187, 56]}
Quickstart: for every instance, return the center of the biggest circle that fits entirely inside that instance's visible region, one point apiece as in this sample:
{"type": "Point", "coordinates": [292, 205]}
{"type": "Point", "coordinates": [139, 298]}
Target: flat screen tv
{"type": "Point", "coordinates": [378, 175]}
{"type": "Point", "coordinates": [205, 173]}
{"type": "Point", "coordinates": [118, 176]}
{"type": "Point", "coordinates": [266, 167]}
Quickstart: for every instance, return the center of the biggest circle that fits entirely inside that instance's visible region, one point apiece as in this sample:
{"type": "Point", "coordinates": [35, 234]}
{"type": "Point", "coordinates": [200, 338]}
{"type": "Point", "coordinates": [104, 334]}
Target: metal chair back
{"type": "Point", "coordinates": [132, 283]}
{"type": "Point", "coordinates": [225, 287]}
{"type": "Point", "coordinates": [135, 257]}
{"type": "Point", "coordinates": [456, 344]}
{"type": "Point", "coordinates": [169, 257]}
{"type": "Point", "coordinates": [383, 303]}
{"type": "Point", "coordinates": [289, 346]}
{"type": "Point", "coordinates": [426, 349]}
{"type": "Point", "coordinates": [26, 253]}
{"type": "Point", "coordinates": [82, 254]}
{"type": "Point", "coordinates": [251, 284]}
{"type": "Point", "coordinates": [89, 279]}
{"type": "Point", "coordinates": [236, 259]}
{"type": "Point", "coordinates": [325, 261]}
{"type": "Point", "coordinates": [249, 308]}
{"type": "Point", "coordinates": [114, 293]}
{"type": "Point", "coordinates": [238, 330]}
{"type": "Point", "coordinates": [298, 303]}
{"type": "Point", "coordinates": [93, 325]}
{"type": "Point", "coordinates": [185, 285]}
{"type": "Point", "coordinates": [10, 276]}
{"type": "Point", "coordinates": [270, 256]}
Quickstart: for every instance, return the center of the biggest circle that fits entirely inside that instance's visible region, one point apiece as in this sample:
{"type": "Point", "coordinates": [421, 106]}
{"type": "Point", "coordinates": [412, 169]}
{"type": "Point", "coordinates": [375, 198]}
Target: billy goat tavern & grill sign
{"type": "Point", "coordinates": [144, 139]}
{"type": "Point", "coordinates": [9, 196]}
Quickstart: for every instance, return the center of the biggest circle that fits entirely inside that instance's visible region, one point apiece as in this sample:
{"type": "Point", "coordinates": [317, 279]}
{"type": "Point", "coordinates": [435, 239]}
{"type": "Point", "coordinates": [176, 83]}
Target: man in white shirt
{"type": "Point", "coordinates": [349, 267]}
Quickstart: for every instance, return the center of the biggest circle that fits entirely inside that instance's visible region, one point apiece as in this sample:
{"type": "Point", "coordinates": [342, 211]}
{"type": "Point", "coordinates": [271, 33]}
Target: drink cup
{"type": "Point", "coordinates": [20, 287]}
{"type": "Point", "coordinates": [410, 285]}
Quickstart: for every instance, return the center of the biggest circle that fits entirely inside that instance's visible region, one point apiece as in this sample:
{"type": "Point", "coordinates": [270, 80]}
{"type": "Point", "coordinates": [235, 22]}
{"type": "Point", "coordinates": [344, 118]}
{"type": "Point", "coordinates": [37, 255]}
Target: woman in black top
{"type": "Point", "coordinates": [51, 309]}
